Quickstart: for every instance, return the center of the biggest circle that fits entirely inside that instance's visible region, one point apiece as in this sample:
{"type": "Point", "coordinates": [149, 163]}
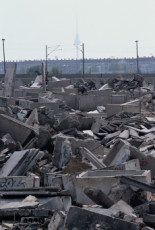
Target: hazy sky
{"type": "Point", "coordinates": [108, 28]}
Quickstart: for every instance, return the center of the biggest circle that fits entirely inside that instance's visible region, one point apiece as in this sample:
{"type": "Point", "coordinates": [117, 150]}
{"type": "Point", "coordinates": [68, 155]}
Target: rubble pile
{"type": "Point", "coordinates": [120, 83]}
{"type": "Point", "coordinates": [65, 164]}
{"type": "Point", "coordinates": [136, 87]}
{"type": "Point", "coordinates": [84, 86]}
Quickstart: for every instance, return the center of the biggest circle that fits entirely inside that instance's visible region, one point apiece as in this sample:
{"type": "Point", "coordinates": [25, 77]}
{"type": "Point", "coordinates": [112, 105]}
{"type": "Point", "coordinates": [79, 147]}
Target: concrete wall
{"type": "Point", "coordinates": [106, 180]}
{"type": "Point", "coordinates": [148, 77]}
{"type": "Point", "coordinates": [133, 107]}
{"type": "Point", "coordinates": [70, 99]}
{"type": "Point", "coordinates": [58, 84]}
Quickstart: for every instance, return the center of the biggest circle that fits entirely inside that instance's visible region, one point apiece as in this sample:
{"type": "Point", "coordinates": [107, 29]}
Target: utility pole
{"type": "Point", "coordinates": [43, 77]}
{"type": "Point", "coordinates": [56, 48]}
{"type": "Point", "coordinates": [83, 59]}
{"type": "Point", "coordinates": [46, 63]}
{"type": "Point", "coordinates": [4, 54]}
{"type": "Point", "coordinates": [137, 56]}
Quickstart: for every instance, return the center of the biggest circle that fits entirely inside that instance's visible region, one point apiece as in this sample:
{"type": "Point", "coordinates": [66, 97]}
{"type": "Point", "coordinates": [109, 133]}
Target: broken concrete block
{"type": "Point", "coordinates": [57, 203]}
{"type": "Point", "coordinates": [85, 122]}
{"type": "Point", "coordinates": [9, 79]}
{"type": "Point", "coordinates": [147, 228]}
{"type": "Point", "coordinates": [69, 184]}
{"type": "Point", "coordinates": [118, 99]}
{"type": "Point", "coordinates": [63, 181]}
{"type": "Point", "coordinates": [27, 91]}
{"type": "Point", "coordinates": [20, 162]}
{"type": "Point", "coordinates": [99, 197]}
{"type": "Point", "coordinates": [90, 102]}
{"type": "Point", "coordinates": [46, 116]}
{"type": "Point", "coordinates": [6, 101]}
{"type": "Point", "coordinates": [119, 153]}
{"type": "Point", "coordinates": [58, 84]}
{"type": "Point", "coordinates": [67, 123]}
{"type": "Point", "coordinates": [91, 157]}
{"type": "Point", "coordinates": [129, 165]}
{"type": "Point", "coordinates": [70, 99]}
{"type": "Point", "coordinates": [123, 207]}
{"type": "Point", "coordinates": [112, 109]}
{"type": "Point", "coordinates": [147, 162]}
{"type": "Point", "coordinates": [144, 208]}
{"type": "Point", "coordinates": [106, 181]}
{"type": "Point", "coordinates": [33, 118]}
{"type": "Point", "coordinates": [30, 199]}
{"type": "Point", "coordinates": [65, 154]}
{"type": "Point", "coordinates": [16, 182]}
{"type": "Point", "coordinates": [17, 129]}
{"type": "Point", "coordinates": [26, 104]}
{"type": "Point", "coordinates": [82, 219]}
{"type": "Point", "coordinates": [130, 217]}
{"type": "Point", "coordinates": [149, 219]}
{"type": "Point", "coordinates": [24, 213]}
{"type": "Point", "coordinates": [9, 142]}
{"type": "Point", "coordinates": [92, 145]}
{"type": "Point", "coordinates": [52, 179]}
{"type": "Point", "coordinates": [133, 107]}
{"type": "Point", "coordinates": [20, 205]}
{"type": "Point", "coordinates": [44, 138]}
{"type": "Point", "coordinates": [37, 82]}
{"type": "Point", "coordinates": [124, 134]}
{"type": "Point", "coordinates": [96, 126]}
{"type": "Point", "coordinates": [57, 221]}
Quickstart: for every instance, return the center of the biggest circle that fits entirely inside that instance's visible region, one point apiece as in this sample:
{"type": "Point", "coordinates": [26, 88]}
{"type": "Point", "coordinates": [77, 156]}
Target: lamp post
{"type": "Point", "coordinates": [4, 54]}
{"type": "Point", "coordinates": [137, 56]}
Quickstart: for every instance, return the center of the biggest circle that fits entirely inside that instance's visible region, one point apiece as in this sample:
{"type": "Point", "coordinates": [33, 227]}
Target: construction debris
{"type": "Point", "coordinates": [77, 155]}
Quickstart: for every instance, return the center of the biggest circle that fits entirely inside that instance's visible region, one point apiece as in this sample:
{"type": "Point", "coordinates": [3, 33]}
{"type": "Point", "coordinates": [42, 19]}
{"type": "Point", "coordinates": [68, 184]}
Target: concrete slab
{"type": "Point", "coordinates": [118, 99]}
{"type": "Point", "coordinates": [16, 182]}
{"type": "Point", "coordinates": [132, 106]}
{"type": "Point", "coordinates": [105, 180]}
{"type": "Point", "coordinates": [9, 79]}
{"type": "Point", "coordinates": [71, 99]}
{"type": "Point", "coordinates": [20, 162]}
{"type": "Point", "coordinates": [26, 104]}
{"type": "Point", "coordinates": [104, 92]}
{"type": "Point", "coordinates": [90, 102]}
{"type": "Point", "coordinates": [58, 84]}
{"type": "Point", "coordinates": [112, 109]}
{"type": "Point", "coordinates": [57, 203]}
{"type": "Point", "coordinates": [20, 205]}
{"type": "Point", "coordinates": [27, 90]}
{"type": "Point", "coordinates": [18, 130]}
{"type": "Point", "coordinates": [123, 207]}
{"type": "Point", "coordinates": [119, 153]}
{"type": "Point", "coordinates": [82, 219]}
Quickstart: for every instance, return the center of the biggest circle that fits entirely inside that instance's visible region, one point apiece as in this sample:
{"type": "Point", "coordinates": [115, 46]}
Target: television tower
{"type": "Point", "coordinates": [77, 40]}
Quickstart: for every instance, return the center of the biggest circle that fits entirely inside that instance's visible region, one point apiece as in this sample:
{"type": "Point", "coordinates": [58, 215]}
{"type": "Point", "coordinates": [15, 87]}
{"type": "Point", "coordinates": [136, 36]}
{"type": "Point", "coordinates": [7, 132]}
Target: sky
{"type": "Point", "coordinates": [108, 28]}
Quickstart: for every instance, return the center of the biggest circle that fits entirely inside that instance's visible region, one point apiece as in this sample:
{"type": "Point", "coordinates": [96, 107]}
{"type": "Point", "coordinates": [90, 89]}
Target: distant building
{"type": "Point", "coordinates": [97, 66]}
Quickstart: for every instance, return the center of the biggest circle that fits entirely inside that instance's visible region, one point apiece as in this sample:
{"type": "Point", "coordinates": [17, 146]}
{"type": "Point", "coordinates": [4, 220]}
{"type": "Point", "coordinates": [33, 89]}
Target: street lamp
{"type": "Point", "coordinates": [4, 54]}
{"type": "Point", "coordinates": [47, 54]}
{"type": "Point", "coordinates": [137, 56]}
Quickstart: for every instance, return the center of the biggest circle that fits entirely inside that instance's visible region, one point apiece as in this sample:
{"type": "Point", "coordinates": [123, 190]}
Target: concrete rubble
{"type": "Point", "coordinates": [77, 155]}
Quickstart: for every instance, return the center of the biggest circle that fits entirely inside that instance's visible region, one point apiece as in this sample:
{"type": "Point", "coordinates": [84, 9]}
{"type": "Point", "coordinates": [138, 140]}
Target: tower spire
{"type": "Point", "coordinates": [77, 40]}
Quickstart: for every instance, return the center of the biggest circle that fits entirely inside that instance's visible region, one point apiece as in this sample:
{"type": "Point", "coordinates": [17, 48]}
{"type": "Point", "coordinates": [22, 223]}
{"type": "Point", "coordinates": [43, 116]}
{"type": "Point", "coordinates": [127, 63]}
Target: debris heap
{"type": "Point", "coordinates": [65, 164]}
